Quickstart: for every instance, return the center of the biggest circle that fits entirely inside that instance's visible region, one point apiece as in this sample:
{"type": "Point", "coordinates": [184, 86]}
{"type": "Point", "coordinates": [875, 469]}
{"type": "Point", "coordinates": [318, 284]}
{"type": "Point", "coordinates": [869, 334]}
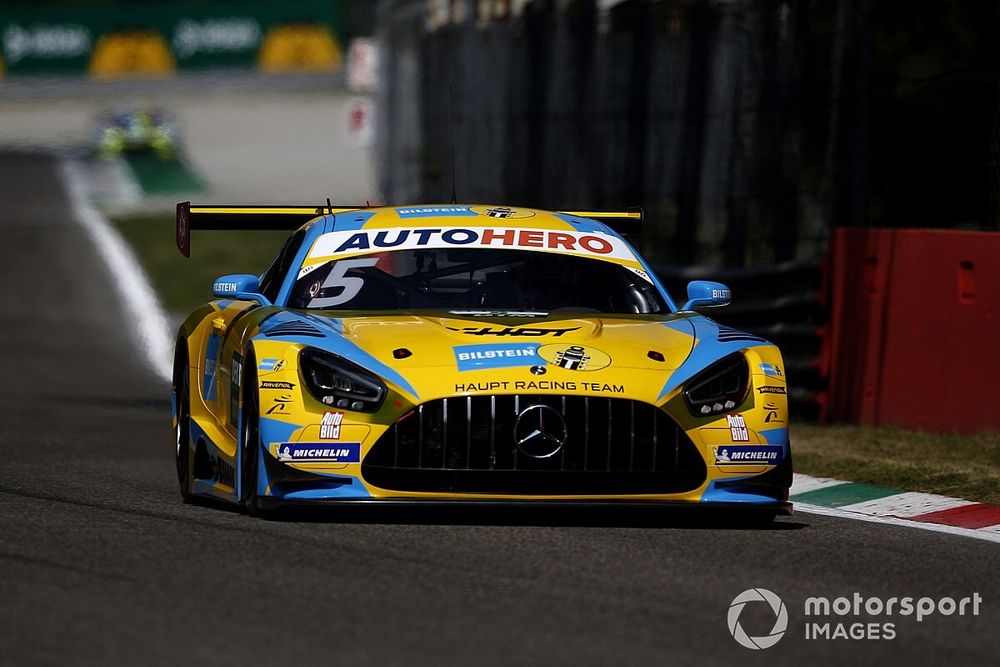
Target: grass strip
{"type": "Point", "coordinates": [962, 466]}
{"type": "Point", "coordinates": [157, 176]}
{"type": "Point", "coordinates": [184, 284]}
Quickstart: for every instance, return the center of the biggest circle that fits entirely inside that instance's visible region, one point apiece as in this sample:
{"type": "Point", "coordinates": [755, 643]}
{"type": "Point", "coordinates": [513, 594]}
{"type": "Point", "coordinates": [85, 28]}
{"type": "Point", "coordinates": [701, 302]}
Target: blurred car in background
{"type": "Point", "coordinates": [136, 129]}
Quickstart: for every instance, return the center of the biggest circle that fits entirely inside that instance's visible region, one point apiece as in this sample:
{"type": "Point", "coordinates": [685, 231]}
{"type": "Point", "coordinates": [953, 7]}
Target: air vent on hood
{"type": "Point", "coordinates": [728, 335]}
{"type": "Point", "coordinates": [293, 329]}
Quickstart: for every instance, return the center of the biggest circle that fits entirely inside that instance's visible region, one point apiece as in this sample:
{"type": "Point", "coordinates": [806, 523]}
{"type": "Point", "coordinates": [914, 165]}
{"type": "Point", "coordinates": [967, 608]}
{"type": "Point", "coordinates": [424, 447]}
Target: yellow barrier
{"type": "Point", "coordinates": [300, 47]}
{"type": "Point", "coordinates": [132, 53]}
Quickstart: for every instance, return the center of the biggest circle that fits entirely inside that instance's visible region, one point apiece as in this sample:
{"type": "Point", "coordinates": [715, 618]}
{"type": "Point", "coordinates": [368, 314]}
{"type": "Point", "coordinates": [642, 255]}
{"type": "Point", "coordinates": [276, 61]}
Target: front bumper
{"type": "Point", "coordinates": [639, 457]}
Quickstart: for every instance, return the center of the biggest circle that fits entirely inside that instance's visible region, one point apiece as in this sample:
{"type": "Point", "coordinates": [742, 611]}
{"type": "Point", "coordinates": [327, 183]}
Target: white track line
{"type": "Point", "coordinates": [985, 535]}
{"type": "Point", "coordinates": [142, 306]}
{"type": "Point", "coordinates": [906, 505]}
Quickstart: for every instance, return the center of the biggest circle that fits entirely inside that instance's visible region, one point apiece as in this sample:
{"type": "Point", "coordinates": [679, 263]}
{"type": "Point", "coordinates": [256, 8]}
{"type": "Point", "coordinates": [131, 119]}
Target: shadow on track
{"type": "Point", "coordinates": [581, 517]}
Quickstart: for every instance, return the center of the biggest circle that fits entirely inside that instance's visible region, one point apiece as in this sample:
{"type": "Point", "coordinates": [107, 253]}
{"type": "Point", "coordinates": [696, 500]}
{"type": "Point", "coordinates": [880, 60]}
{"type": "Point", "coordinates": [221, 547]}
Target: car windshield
{"type": "Point", "coordinates": [475, 279]}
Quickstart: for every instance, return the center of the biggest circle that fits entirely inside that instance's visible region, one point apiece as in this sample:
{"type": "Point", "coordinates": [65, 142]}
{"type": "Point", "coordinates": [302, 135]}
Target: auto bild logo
{"type": "Point", "coordinates": [780, 618]}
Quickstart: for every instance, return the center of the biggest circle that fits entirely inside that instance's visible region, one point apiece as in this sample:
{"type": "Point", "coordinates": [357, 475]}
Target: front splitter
{"type": "Point", "coordinates": [780, 507]}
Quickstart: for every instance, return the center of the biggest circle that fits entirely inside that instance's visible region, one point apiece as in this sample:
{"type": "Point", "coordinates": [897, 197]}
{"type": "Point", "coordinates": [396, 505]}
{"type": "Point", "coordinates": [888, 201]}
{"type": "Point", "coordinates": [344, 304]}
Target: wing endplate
{"type": "Point", "coordinates": [196, 217]}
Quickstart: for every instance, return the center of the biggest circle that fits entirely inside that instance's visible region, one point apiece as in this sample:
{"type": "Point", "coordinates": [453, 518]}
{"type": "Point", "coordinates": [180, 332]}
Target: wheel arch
{"type": "Point", "coordinates": [248, 388]}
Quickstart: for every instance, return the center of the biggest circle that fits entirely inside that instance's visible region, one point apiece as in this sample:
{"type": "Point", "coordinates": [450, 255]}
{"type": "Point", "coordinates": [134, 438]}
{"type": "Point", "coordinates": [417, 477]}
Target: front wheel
{"type": "Point", "coordinates": [182, 429]}
{"type": "Point", "coordinates": [250, 441]}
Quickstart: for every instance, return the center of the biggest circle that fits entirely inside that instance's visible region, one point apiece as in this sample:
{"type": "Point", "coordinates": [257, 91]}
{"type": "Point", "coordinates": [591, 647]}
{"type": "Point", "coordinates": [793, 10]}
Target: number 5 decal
{"type": "Point", "coordinates": [338, 278]}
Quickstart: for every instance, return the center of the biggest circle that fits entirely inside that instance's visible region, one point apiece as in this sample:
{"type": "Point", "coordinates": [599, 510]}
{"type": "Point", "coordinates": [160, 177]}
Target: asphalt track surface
{"type": "Point", "coordinates": [101, 562]}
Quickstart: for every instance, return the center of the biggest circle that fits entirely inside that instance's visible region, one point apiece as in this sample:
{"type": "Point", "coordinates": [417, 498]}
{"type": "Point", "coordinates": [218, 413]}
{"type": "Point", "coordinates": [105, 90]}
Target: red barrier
{"type": "Point", "coordinates": [914, 339]}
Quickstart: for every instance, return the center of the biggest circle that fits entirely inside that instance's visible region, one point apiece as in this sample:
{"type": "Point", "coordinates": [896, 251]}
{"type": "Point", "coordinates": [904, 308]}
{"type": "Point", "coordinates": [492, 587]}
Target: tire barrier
{"type": "Point", "coordinates": [913, 328]}
{"type": "Point", "coordinates": [133, 53]}
{"type": "Point", "coordinates": [156, 40]}
{"type": "Point", "coordinates": [300, 48]}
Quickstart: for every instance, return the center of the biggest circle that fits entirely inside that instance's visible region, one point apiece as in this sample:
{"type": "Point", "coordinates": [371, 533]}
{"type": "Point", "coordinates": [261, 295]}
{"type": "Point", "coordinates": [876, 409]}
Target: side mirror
{"type": "Point", "coordinates": [240, 286]}
{"type": "Point", "coordinates": [707, 294]}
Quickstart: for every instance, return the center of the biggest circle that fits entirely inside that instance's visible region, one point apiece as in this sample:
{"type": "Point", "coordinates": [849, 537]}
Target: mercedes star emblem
{"type": "Point", "coordinates": [540, 431]}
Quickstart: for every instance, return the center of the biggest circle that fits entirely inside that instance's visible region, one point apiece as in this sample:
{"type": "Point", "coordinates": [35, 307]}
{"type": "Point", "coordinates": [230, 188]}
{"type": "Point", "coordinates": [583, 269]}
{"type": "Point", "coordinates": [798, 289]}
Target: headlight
{"type": "Point", "coordinates": [719, 388]}
{"type": "Point", "coordinates": [337, 382]}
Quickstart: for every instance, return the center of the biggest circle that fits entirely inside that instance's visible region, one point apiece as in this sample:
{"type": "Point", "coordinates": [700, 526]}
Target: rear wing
{"type": "Point", "coordinates": [627, 223]}
{"type": "Point", "coordinates": [244, 217]}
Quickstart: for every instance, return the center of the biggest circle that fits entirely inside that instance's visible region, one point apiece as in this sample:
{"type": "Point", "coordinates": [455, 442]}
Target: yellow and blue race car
{"type": "Point", "coordinates": [469, 354]}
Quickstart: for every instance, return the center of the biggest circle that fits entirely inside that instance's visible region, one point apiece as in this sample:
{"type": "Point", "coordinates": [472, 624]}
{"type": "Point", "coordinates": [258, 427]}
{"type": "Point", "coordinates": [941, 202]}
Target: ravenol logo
{"type": "Point", "coordinates": [780, 618]}
{"type": "Point", "coordinates": [320, 452]}
{"type": "Point", "coordinates": [504, 355]}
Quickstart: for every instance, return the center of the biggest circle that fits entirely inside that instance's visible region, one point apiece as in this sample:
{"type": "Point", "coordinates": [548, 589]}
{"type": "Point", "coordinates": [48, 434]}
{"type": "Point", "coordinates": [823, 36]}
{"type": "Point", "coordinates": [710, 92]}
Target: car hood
{"type": "Point", "coordinates": [472, 344]}
{"type": "Point", "coordinates": [435, 355]}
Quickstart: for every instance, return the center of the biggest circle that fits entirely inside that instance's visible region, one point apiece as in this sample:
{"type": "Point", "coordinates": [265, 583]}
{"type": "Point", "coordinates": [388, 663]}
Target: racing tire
{"type": "Point", "coordinates": [182, 429]}
{"type": "Point", "coordinates": [250, 440]}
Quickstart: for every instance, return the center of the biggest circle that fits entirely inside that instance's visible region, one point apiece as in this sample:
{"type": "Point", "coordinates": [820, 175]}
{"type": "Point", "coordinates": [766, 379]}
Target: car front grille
{"type": "Point", "coordinates": [468, 444]}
